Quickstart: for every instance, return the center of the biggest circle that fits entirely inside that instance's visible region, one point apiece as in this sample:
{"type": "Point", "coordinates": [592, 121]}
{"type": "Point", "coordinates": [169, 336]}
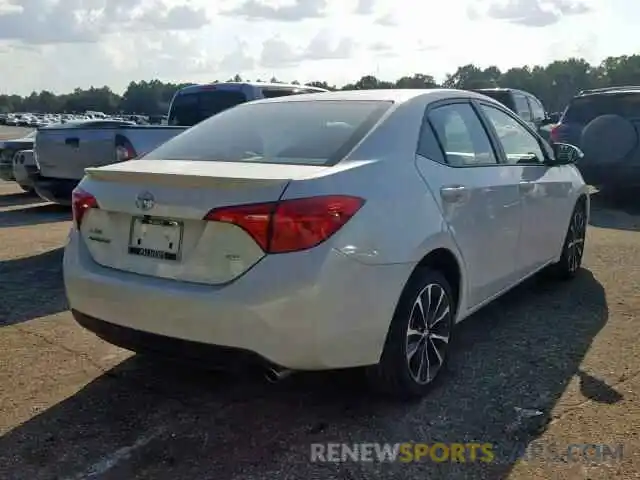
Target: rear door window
{"type": "Point", "coordinates": [582, 110]}
{"type": "Point", "coordinates": [189, 109]}
{"type": "Point", "coordinates": [462, 136]}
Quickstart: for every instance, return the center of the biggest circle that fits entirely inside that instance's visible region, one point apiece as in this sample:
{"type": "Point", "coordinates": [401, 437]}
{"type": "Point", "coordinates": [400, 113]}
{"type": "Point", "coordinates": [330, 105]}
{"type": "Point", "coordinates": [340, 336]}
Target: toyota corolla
{"type": "Point", "coordinates": [324, 231]}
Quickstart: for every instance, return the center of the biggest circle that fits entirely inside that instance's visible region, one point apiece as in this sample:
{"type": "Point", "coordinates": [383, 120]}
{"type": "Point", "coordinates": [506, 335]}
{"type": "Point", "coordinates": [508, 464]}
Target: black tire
{"type": "Point", "coordinates": [573, 248]}
{"type": "Point", "coordinates": [27, 189]}
{"type": "Point", "coordinates": [396, 374]}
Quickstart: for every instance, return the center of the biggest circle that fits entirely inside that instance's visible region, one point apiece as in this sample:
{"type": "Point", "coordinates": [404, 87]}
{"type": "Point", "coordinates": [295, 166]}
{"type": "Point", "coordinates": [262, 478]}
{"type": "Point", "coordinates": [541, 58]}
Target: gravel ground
{"type": "Point", "coordinates": [10, 133]}
{"type": "Point", "coordinates": [72, 406]}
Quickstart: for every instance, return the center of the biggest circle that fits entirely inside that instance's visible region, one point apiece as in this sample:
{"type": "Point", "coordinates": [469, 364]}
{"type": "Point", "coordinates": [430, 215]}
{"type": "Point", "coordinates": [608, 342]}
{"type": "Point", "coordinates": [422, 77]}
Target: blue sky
{"type": "Point", "coordinates": [63, 44]}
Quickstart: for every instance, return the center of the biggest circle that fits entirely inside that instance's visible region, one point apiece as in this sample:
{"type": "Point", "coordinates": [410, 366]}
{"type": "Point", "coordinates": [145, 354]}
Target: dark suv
{"type": "Point", "coordinates": [604, 124]}
{"type": "Point", "coordinates": [525, 105]}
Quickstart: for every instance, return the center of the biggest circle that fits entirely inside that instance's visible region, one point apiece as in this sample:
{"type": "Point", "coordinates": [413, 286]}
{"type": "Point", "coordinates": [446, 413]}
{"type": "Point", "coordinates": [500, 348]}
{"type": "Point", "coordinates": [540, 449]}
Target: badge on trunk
{"type": "Point", "coordinates": [145, 201]}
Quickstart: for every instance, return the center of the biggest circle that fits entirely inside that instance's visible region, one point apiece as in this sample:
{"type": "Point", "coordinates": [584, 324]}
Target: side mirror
{"type": "Point", "coordinates": [553, 118]}
{"type": "Point", "coordinates": [565, 154]}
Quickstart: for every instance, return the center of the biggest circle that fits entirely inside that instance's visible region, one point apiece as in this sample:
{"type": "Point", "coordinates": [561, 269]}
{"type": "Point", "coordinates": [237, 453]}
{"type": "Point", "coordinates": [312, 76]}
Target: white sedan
{"type": "Point", "coordinates": [323, 231]}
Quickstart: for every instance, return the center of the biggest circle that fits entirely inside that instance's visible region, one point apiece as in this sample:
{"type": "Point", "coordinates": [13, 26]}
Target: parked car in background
{"type": "Point", "coordinates": [64, 151]}
{"type": "Point", "coordinates": [158, 119]}
{"type": "Point", "coordinates": [267, 236]}
{"type": "Point", "coordinates": [526, 105]}
{"type": "Point", "coordinates": [604, 123]}
{"type": "Point", "coordinates": [8, 149]}
{"type": "Point", "coordinates": [196, 103]}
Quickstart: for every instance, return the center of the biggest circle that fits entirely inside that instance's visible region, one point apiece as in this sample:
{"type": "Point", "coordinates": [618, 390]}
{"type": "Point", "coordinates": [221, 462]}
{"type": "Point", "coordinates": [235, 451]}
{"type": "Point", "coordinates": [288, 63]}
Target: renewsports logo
{"type": "Point", "coordinates": [402, 452]}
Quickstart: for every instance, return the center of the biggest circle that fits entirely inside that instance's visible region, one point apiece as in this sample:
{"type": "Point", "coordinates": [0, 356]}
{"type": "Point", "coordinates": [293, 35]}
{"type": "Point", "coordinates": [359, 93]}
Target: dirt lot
{"type": "Point", "coordinates": [72, 406]}
{"type": "Point", "coordinates": [7, 133]}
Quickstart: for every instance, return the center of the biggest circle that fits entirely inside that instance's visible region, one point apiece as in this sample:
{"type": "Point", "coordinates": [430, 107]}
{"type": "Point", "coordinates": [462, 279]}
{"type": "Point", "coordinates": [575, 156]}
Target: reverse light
{"type": "Point", "coordinates": [291, 225]}
{"type": "Point", "coordinates": [81, 202]}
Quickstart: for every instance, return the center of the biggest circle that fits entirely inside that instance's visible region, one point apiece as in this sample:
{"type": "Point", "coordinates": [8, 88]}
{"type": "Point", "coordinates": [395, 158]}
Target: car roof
{"type": "Point", "coordinates": [254, 84]}
{"type": "Point", "coordinates": [396, 95]}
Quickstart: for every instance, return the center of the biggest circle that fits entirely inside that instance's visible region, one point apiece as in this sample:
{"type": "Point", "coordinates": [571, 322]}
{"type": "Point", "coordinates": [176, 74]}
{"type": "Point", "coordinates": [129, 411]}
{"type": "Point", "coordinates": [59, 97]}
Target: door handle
{"type": "Point", "coordinates": [72, 142]}
{"type": "Point", "coordinates": [527, 187]}
{"type": "Point", "coordinates": [454, 193]}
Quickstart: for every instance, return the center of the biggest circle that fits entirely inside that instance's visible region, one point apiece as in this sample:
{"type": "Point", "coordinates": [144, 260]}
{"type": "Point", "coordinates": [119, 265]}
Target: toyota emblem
{"type": "Point", "coordinates": [145, 201]}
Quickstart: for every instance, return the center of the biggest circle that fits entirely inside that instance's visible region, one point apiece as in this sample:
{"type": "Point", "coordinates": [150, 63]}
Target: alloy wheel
{"type": "Point", "coordinates": [428, 333]}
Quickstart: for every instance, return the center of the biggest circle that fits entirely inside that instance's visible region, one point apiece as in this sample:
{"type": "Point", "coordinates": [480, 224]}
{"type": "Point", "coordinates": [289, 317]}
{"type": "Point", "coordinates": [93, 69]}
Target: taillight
{"type": "Point", "coordinates": [124, 149]}
{"type": "Point", "coordinates": [291, 225]}
{"type": "Point", "coordinates": [554, 134]}
{"type": "Point", "coordinates": [81, 202]}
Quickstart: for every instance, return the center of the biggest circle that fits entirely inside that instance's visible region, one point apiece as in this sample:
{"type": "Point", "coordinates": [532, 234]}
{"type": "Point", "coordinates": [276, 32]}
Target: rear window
{"type": "Point", "coordinates": [582, 110]}
{"type": "Point", "coordinates": [284, 92]}
{"type": "Point", "coordinates": [300, 132]}
{"type": "Point", "coordinates": [502, 96]}
{"type": "Point", "coordinates": [188, 109]}
{"type": "Point", "coordinates": [522, 106]}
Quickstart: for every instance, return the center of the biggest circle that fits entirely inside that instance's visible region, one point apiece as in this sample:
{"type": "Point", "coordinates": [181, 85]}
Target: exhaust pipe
{"type": "Point", "coordinates": [274, 375]}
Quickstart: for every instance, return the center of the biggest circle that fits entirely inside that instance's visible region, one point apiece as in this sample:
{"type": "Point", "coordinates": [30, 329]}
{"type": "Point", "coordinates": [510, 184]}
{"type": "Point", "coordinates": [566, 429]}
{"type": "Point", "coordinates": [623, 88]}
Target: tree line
{"type": "Point", "coordinates": [555, 84]}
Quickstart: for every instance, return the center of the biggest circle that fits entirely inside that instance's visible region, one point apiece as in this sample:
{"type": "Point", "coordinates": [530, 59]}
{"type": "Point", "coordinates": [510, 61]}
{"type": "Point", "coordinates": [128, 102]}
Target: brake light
{"type": "Point", "coordinates": [554, 134]}
{"type": "Point", "coordinates": [291, 225]}
{"type": "Point", "coordinates": [81, 202]}
{"type": "Point", "coordinates": [124, 149]}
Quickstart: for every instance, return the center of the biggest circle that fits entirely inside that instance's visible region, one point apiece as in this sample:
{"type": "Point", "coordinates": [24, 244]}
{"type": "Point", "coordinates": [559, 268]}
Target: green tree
{"type": "Point", "coordinates": [555, 84]}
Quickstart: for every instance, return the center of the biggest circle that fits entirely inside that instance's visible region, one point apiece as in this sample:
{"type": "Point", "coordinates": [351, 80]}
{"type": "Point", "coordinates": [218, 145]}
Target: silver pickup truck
{"type": "Point", "coordinates": [62, 152]}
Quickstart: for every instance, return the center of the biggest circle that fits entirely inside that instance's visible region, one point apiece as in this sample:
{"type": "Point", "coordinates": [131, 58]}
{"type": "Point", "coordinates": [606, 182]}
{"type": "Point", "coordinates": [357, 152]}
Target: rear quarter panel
{"type": "Point", "coordinates": [400, 221]}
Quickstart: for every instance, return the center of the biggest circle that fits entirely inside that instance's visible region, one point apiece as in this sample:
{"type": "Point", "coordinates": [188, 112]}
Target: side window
{"type": "Point", "coordinates": [522, 106]}
{"type": "Point", "coordinates": [276, 92]}
{"type": "Point", "coordinates": [462, 136]}
{"type": "Point", "coordinates": [537, 112]}
{"type": "Point", "coordinates": [520, 146]}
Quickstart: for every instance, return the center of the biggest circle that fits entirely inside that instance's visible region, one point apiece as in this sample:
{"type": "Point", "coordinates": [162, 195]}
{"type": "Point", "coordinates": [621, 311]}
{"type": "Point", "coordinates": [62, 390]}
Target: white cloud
{"type": "Point", "coordinates": [277, 53]}
{"type": "Point", "coordinates": [289, 12]}
{"type": "Point", "coordinates": [70, 21]}
{"type": "Point", "coordinates": [365, 7]}
{"type": "Point", "coordinates": [387, 20]}
{"type": "Point", "coordinates": [533, 13]}
{"type": "Point", "coordinates": [62, 44]}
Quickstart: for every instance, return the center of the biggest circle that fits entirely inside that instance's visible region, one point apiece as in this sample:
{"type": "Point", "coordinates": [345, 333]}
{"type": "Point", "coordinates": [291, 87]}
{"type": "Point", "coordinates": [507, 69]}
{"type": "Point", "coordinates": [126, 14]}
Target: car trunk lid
{"type": "Point", "coordinates": [151, 214]}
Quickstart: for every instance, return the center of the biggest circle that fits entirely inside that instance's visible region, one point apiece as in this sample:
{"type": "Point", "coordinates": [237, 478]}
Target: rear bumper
{"type": "Point", "coordinates": [56, 190]}
{"type": "Point", "coordinates": [613, 175]}
{"type": "Point", "coordinates": [315, 310]}
{"type": "Point", "coordinates": [214, 356]}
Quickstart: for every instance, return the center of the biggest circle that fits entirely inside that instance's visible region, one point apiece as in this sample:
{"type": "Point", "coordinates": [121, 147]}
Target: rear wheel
{"type": "Point", "coordinates": [26, 188]}
{"type": "Point", "coordinates": [417, 345]}
{"type": "Point", "coordinates": [573, 248]}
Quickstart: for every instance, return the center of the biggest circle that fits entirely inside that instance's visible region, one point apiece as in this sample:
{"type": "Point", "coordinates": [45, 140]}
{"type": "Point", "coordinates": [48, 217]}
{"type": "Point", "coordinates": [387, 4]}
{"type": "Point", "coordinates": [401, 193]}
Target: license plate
{"type": "Point", "coordinates": [156, 238]}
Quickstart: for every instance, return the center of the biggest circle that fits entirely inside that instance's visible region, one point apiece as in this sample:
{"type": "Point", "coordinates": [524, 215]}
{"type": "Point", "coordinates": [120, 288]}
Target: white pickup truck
{"type": "Point", "coordinates": [64, 151]}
